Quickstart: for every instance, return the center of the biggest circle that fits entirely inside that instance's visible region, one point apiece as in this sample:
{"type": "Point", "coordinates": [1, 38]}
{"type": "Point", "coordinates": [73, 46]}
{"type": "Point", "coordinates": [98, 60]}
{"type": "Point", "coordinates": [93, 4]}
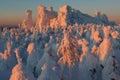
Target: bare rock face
{"type": "Point", "coordinates": [27, 22]}
{"type": "Point", "coordinates": [44, 16]}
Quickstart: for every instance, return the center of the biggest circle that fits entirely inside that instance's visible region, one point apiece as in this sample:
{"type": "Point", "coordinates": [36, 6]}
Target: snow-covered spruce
{"type": "Point", "coordinates": [20, 72]}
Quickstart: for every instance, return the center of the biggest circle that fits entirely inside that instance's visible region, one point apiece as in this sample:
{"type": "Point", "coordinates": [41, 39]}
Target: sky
{"type": "Point", "coordinates": [13, 11]}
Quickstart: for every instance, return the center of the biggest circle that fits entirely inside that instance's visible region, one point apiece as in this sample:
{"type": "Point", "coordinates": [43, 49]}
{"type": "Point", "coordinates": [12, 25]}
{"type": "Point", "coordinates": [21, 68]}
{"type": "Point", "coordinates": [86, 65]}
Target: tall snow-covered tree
{"type": "Point", "coordinates": [107, 57]}
{"type": "Point", "coordinates": [68, 49]}
{"type": "Point", "coordinates": [48, 65]}
{"type": "Point", "coordinates": [20, 72]}
{"type": "Point", "coordinates": [68, 52]}
{"type": "Point", "coordinates": [33, 57]}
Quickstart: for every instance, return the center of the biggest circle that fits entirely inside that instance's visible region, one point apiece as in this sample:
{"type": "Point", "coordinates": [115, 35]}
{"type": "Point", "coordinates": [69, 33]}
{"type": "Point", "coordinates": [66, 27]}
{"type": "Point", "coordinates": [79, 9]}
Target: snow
{"type": "Point", "coordinates": [68, 45]}
{"type": "Point", "coordinates": [27, 22]}
{"type": "Point", "coordinates": [48, 65]}
{"type": "Point", "coordinates": [69, 50]}
{"type": "Point", "coordinates": [44, 16]}
{"type": "Point", "coordinates": [20, 72]}
{"type": "Point", "coordinates": [67, 16]}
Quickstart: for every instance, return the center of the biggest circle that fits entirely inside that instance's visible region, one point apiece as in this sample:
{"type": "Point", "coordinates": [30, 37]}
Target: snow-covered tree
{"type": "Point", "coordinates": [68, 52]}
{"type": "Point", "coordinates": [27, 22]}
{"type": "Point", "coordinates": [48, 65]}
{"type": "Point", "coordinates": [68, 45]}
{"type": "Point", "coordinates": [88, 62]}
{"type": "Point", "coordinates": [68, 49]}
{"type": "Point", "coordinates": [33, 57]}
{"type": "Point", "coordinates": [20, 72]}
{"type": "Point", "coordinates": [107, 57]}
{"type": "Point", "coordinates": [8, 58]}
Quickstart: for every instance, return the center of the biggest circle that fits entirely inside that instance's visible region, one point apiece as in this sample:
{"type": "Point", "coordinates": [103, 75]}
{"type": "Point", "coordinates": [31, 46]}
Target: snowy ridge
{"type": "Point", "coordinates": [68, 16]}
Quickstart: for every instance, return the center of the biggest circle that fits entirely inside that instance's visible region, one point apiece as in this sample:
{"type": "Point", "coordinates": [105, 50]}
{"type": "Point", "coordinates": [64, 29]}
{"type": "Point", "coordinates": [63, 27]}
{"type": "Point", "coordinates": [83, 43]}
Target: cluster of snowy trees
{"type": "Point", "coordinates": [78, 52]}
{"type": "Point", "coordinates": [68, 45]}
